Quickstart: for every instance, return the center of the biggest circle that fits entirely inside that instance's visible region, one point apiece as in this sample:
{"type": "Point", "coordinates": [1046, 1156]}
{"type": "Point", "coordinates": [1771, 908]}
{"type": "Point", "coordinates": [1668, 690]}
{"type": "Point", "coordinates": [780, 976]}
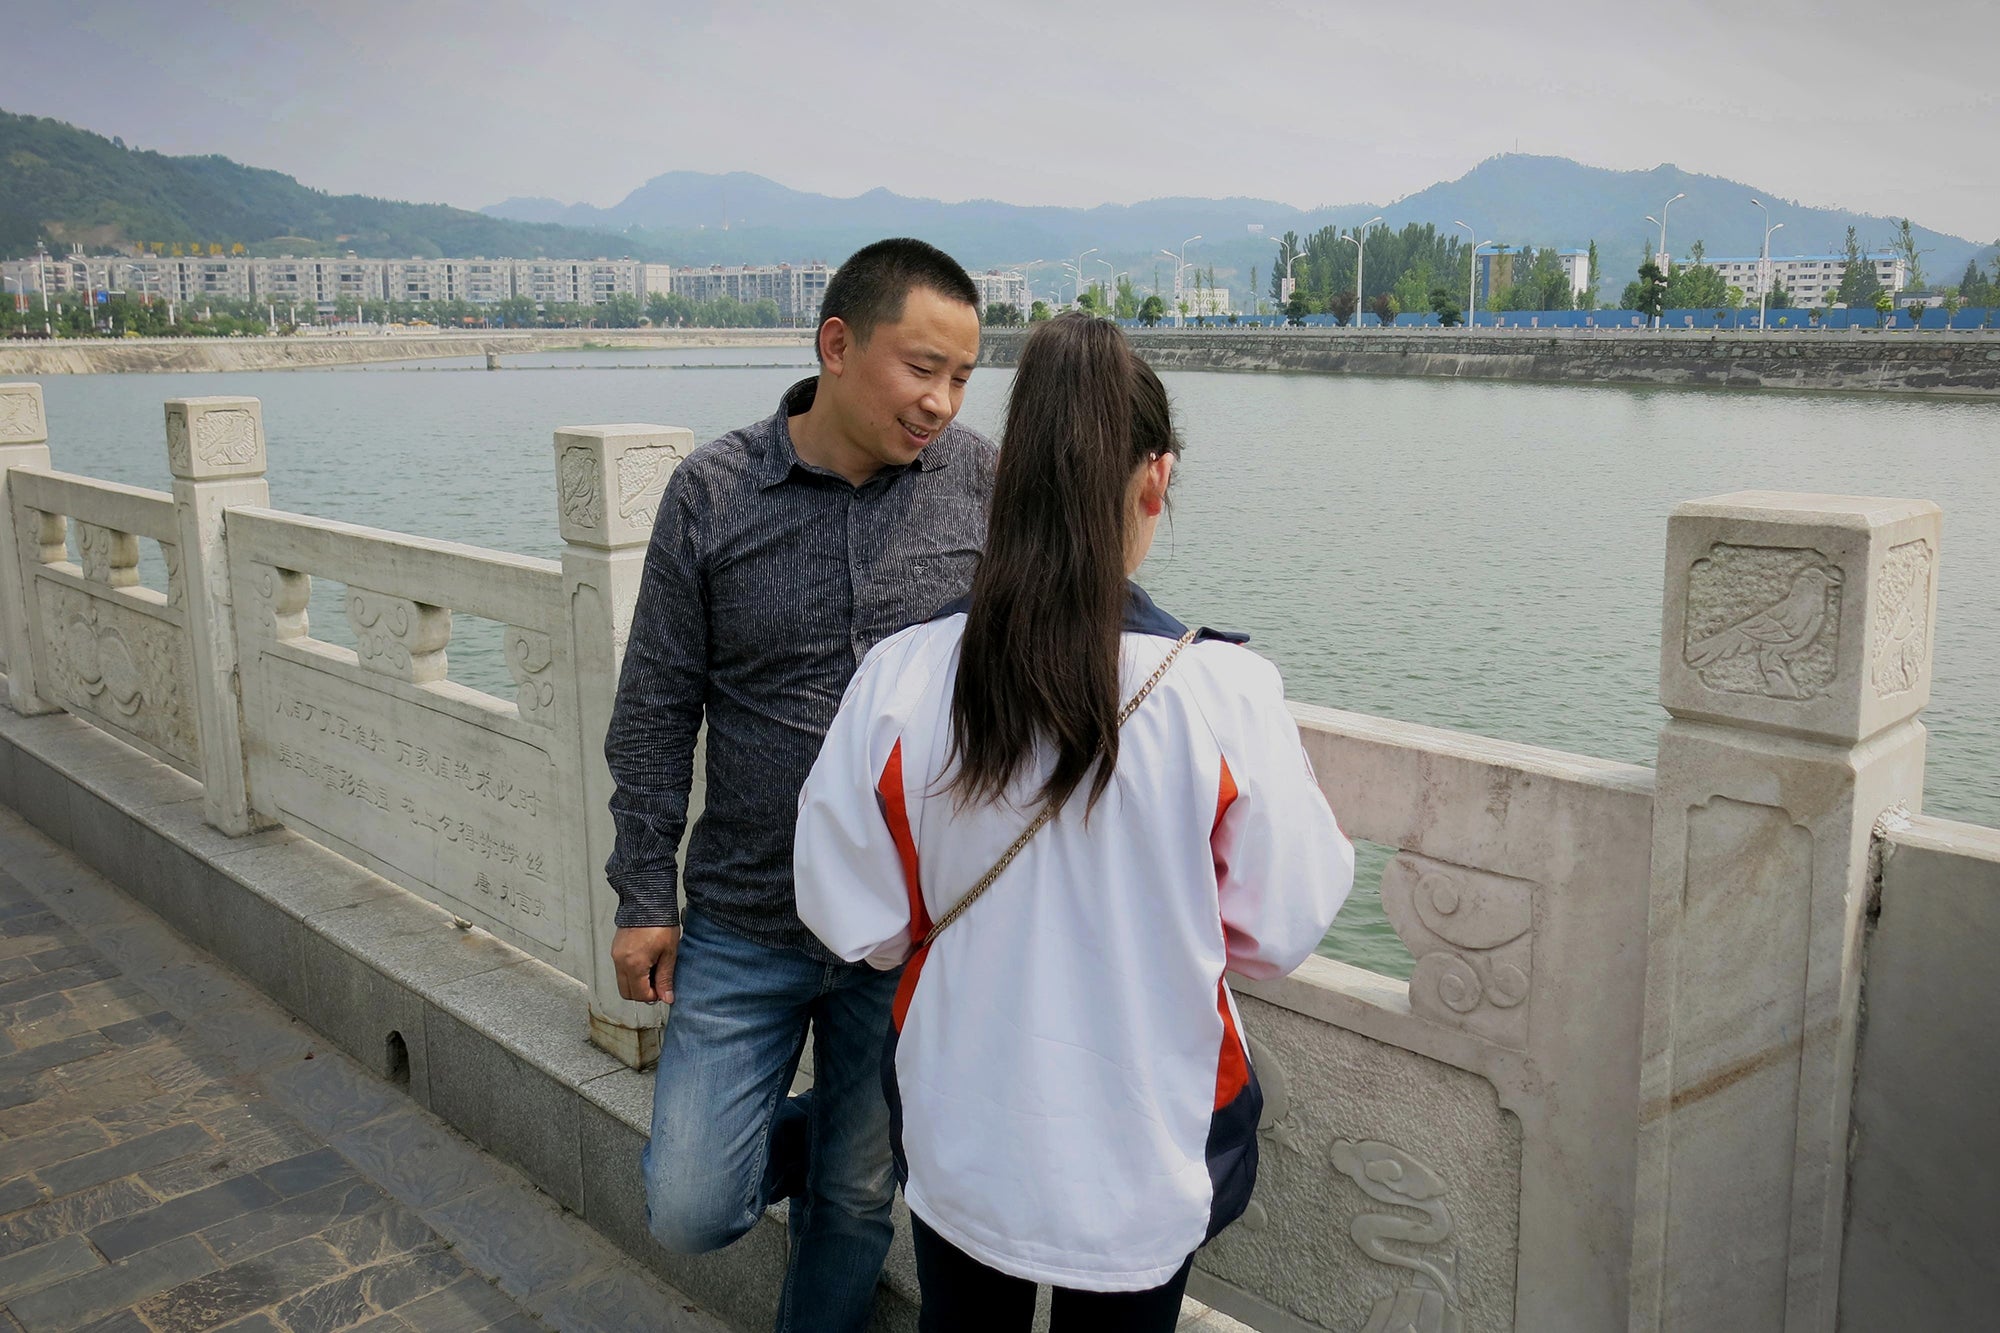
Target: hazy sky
{"type": "Point", "coordinates": [1885, 108]}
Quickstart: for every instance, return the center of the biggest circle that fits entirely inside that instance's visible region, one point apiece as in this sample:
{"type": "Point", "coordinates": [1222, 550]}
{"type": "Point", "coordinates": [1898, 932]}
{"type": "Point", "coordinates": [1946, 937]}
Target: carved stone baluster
{"type": "Point", "coordinates": [215, 450]}
{"type": "Point", "coordinates": [399, 637]}
{"type": "Point", "coordinates": [170, 554]}
{"type": "Point", "coordinates": [608, 484]}
{"type": "Point", "coordinates": [1472, 934]}
{"type": "Point", "coordinates": [109, 557]}
{"type": "Point", "coordinates": [280, 608]}
{"type": "Point", "coordinates": [31, 535]}
{"type": "Point", "coordinates": [530, 656]}
{"type": "Point", "coordinates": [1795, 658]}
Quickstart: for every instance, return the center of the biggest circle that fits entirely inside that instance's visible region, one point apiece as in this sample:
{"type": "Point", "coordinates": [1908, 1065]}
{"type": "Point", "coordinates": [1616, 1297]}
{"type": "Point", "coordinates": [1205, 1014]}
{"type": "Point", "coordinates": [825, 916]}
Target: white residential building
{"type": "Point", "coordinates": [797, 289]}
{"type": "Point", "coordinates": [1004, 287]}
{"type": "Point", "coordinates": [1810, 280]}
{"type": "Point", "coordinates": [323, 281]}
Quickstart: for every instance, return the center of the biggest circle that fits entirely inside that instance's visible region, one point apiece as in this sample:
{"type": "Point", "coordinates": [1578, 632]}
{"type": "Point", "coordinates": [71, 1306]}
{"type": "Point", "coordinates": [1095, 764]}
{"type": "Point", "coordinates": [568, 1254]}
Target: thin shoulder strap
{"type": "Point", "coordinates": [1047, 811]}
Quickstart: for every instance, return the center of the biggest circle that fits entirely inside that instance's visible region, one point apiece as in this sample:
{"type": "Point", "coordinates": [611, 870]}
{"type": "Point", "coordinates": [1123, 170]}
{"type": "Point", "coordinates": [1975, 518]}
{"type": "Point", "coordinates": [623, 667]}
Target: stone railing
{"type": "Point", "coordinates": [1615, 1091]}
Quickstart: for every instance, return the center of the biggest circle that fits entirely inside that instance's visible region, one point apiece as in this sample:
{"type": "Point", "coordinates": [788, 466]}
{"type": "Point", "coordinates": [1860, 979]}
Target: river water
{"type": "Point", "coordinates": [1477, 555]}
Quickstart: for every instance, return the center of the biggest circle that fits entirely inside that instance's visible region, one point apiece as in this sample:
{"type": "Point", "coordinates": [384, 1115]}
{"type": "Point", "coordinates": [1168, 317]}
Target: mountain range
{"type": "Point", "coordinates": [1520, 199]}
{"type": "Point", "coordinates": [60, 185]}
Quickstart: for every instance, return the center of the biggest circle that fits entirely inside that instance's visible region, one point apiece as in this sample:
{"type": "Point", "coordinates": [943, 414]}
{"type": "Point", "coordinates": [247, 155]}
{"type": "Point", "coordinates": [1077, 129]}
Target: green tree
{"type": "Point", "coordinates": [1341, 306]}
{"type": "Point", "coordinates": [1296, 309]}
{"type": "Point", "coordinates": [1126, 304]}
{"type": "Point", "coordinates": [1002, 314]}
{"type": "Point", "coordinates": [1038, 312]}
{"type": "Point", "coordinates": [1648, 294]}
{"type": "Point", "coordinates": [1858, 283]}
{"type": "Point", "coordinates": [1885, 304]}
{"type": "Point", "coordinates": [1906, 249]}
{"type": "Point", "coordinates": [1594, 281]}
{"type": "Point", "coordinates": [1445, 305]}
{"type": "Point", "coordinates": [1152, 310]}
{"type": "Point", "coordinates": [1780, 297]}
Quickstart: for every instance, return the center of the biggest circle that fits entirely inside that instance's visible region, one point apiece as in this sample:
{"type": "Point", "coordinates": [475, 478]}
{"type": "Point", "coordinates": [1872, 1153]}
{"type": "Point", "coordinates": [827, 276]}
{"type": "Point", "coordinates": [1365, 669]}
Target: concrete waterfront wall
{"type": "Point", "coordinates": [1620, 1088]}
{"type": "Point", "coordinates": [83, 356]}
{"type": "Point", "coordinates": [1961, 364]}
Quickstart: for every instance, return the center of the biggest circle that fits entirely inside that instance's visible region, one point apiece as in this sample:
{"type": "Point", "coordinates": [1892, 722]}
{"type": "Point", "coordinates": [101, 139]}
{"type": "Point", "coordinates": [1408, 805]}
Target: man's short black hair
{"type": "Point", "coordinates": [869, 289]}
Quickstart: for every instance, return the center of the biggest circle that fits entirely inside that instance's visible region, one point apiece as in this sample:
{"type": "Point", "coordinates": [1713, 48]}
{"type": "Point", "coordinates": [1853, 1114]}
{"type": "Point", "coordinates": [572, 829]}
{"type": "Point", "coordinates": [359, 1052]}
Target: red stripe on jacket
{"type": "Point", "coordinates": [895, 810]}
{"type": "Point", "coordinates": [1232, 1066]}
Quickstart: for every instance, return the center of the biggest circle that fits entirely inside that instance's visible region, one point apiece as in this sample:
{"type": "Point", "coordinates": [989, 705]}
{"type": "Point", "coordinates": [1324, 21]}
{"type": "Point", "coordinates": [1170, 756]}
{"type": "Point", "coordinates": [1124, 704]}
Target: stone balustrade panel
{"type": "Point", "coordinates": [104, 647]}
{"type": "Point", "coordinates": [1475, 1125]}
{"type": "Point", "coordinates": [463, 797]}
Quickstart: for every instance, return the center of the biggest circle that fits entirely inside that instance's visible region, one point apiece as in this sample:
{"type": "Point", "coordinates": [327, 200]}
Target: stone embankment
{"type": "Point", "coordinates": [184, 355]}
{"type": "Point", "coordinates": [1965, 364]}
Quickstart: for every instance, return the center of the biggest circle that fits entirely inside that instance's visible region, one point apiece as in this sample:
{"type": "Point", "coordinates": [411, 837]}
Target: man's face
{"type": "Point", "coordinates": [904, 386]}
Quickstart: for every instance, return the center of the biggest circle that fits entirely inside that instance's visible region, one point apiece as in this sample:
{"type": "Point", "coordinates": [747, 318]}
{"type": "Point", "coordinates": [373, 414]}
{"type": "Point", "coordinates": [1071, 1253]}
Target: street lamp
{"type": "Point", "coordinates": [1360, 246]}
{"type": "Point", "coordinates": [1291, 257]}
{"type": "Point", "coordinates": [1079, 270]}
{"type": "Point", "coordinates": [1764, 264]}
{"type": "Point", "coordinates": [1472, 274]}
{"type": "Point", "coordinates": [1664, 262]}
{"type": "Point", "coordinates": [1180, 266]}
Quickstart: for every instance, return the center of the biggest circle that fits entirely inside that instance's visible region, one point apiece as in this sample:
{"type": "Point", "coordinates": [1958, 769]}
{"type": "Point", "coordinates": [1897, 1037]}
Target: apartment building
{"type": "Point", "coordinates": [797, 289]}
{"type": "Point", "coordinates": [322, 281]}
{"type": "Point", "coordinates": [1810, 280]}
{"type": "Point", "coordinates": [1003, 287]}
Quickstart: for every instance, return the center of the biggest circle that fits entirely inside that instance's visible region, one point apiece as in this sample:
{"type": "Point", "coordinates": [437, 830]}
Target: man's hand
{"type": "Point", "coordinates": [644, 957]}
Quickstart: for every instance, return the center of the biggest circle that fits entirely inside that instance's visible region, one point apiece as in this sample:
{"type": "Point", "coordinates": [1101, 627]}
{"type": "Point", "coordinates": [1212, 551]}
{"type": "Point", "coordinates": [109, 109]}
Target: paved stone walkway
{"type": "Point", "coordinates": [179, 1154]}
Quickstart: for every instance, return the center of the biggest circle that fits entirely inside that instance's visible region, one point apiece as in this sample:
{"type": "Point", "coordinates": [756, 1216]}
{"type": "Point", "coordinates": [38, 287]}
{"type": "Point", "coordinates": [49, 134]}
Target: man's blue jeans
{"type": "Point", "coordinates": [727, 1141]}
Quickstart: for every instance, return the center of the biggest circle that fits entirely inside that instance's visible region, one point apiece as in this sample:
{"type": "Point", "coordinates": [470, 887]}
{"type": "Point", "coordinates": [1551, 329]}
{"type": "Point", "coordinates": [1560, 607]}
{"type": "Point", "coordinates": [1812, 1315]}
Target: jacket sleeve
{"type": "Point", "coordinates": [848, 868]}
{"type": "Point", "coordinates": [1283, 867]}
{"type": "Point", "coordinates": [649, 745]}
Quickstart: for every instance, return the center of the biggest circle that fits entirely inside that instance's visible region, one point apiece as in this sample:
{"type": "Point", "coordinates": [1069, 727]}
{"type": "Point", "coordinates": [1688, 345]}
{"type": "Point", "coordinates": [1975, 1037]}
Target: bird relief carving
{"type": "Point", "coordinates": [642, 477]}
{"type": "Point", "coordinates": [1388, 1175]}
{"type": "Point", "coordinates": [580, 488]}
{"type": "Point", "coordinates": [1764, 620]}
{"type": "Point", "coordinates": [1900, 644]}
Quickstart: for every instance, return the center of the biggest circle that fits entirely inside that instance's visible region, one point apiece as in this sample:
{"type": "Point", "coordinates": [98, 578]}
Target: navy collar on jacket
{"type": "Point", "coordinates": [1142, 616]}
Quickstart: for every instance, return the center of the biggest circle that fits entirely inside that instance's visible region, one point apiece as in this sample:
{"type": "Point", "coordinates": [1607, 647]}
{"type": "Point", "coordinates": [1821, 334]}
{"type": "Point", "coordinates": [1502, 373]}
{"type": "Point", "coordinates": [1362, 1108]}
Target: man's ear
{"type": "Point", "coordinates": [835, 341]}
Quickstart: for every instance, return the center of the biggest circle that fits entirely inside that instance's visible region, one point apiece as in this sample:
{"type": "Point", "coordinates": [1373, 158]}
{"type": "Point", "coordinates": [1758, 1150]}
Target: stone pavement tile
{"type": "Point", "coordinates": [256, 1323]}
{"type": "Point", "coordinates": [63, 978]}
{"type": "Point", "coordinates": [255, 1040]}
{"type": "Point", "coordinates": [190, 988]}
{"type": "Point", "coordinates": [620, 1300]}
{"type": "Point", "coordinates": [291, 1219]}
{"type": "Point", "coordinates": [122, 1159]}
{"type": "Point", "coordinates": [173, 1063]}
{"type": "Point", "coordinates": [308, 1171]}
{"type": "Point", "coordinates": [144, 1028]}
{"type": "Point", "coordinates": [352, 1297]}
{"type": "Point", "coordinates": [242, 1288]}
{"type": "Point", "coordinates": [27, 935]}
{"type": "Point", "coordinates": [27, 1063]}
{"type": "Point", "coordinates": [417, 1159]}
{"type": "Point", "coordinates": [18, 1194]}
{"type": "Point", "coordinates": [468, 1305]}
{"type": "Point", "coordinates": [73, 1212]}
{"type": "Point", "coordinates": [248, 1137]}
{"type": "Point", "coordinates": [382, 1233]}
{"type": "Point", "coordinates": [122, 1322]}
{"type": "Point", "coordinates": [12, 969]}
{"type": "Point", "coordinates": [158, 1108]}
{"type": "Point", "coordinates": [331, 1094]}
{"type": "Point", "coordinates": [31, 1270]}
{"type": "Point", "coordinates": [519, 1236]}
{"type": "Point", "coordinates": [74, 1302]}
{"type": "Point", "coordinates": [50, 1146]}
{"type": "Point", "coordinates": [179, 1217]}
{"type": "Point", "coordinates": [64, 956]}
{"type": "Point", "coordinates": [98, 1007]}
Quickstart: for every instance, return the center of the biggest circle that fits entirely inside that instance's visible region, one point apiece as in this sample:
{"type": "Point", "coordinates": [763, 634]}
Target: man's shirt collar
{"type": "Point", "coordinates": [781, 456]}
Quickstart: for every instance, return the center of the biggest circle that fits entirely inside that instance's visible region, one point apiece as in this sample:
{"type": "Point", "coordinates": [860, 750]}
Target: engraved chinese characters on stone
{"type": "Point", "coordinates": [1763, 620]}
{"type": "Point", "coordinates": [1472, 934]}
{"type": "Point", "coordinates": [1901, 639]}
{"type": "Point", "coordinates": [1429, 1302]}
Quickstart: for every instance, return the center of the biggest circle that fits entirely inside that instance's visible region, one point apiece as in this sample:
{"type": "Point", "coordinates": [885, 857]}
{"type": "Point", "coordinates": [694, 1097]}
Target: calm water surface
{"type": "Point", "coordinates": [1472, 555]}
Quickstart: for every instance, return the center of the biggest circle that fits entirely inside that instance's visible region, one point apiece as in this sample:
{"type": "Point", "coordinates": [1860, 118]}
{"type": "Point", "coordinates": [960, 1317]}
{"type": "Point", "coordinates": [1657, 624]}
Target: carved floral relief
{"type": "Point", "coordinates": [1900, 644]}
{"type": "Point", "coordinates": [1472, 934]}
{"type": "Point", "coordinates": [120, 664]}
{"type": "Point", "coordinates": [226, 438]}
{"type": "Point", "coordinates": [20, 417]}
{"type": "Point", "coordinates": [1764, 620]}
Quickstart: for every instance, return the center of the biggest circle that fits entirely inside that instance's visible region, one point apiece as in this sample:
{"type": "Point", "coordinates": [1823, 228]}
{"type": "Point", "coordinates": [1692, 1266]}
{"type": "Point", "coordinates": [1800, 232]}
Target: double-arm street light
{"type": "Point", "coordinates": [1472, 274]}
{"type": "Point", "coordinates": [1079, 270]}
{"type": "Point", "coordinates": [1764, 263]}
{"type": "Point", "coordinates": [1360, 247]}
{"type": "Point", "coordinates": [1291, 257]}
{"type": "Point", "coordinates": [1664, 261]}
{"type": "Point", "coordinates": [1180, 266]}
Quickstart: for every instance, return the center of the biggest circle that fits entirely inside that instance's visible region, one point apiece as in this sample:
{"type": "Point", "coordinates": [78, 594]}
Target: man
{"type": "Point", "coordinates": [782, 553]}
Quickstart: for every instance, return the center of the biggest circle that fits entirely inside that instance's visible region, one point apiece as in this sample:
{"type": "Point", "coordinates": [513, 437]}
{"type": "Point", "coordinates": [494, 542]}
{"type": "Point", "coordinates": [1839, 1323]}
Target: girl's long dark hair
{"type": "Point", "coordinates": [1041, 648]}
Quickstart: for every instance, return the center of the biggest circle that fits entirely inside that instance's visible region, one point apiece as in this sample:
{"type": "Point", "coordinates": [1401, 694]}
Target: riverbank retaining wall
{"type": "Point", "coordinates": [1966, 364]}
{"type": "Point", "coordinates": [86, 356]}
{"type": "Point", "coordinates": [1627, 1085]}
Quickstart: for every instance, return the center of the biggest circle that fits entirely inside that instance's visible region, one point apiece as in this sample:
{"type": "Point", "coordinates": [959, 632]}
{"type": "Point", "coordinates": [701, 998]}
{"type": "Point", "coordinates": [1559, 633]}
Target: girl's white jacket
{"type": "Point", "coordinates": [1070, 1094]}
